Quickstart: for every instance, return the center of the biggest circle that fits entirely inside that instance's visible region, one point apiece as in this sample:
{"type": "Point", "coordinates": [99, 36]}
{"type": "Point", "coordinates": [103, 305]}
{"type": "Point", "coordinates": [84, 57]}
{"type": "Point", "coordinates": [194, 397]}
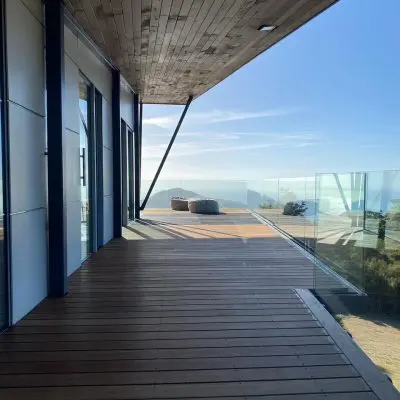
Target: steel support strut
{"type": "Point", "coordinates": [146, 199]}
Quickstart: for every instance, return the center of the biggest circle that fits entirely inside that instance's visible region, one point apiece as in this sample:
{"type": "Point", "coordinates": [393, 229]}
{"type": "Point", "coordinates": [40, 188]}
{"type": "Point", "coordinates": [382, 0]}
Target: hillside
{"type": "Point", "coordinates": [162, 199]}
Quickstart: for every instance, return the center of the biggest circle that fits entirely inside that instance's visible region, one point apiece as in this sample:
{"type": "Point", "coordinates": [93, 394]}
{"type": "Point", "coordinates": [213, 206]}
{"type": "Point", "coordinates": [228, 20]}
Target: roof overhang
{"type": "Point", "coordinates": [170, 49]}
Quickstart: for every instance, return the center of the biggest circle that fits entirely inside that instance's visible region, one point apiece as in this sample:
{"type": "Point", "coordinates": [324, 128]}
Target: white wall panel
{"type": "Point", "coordinates": [89, 63]}
{"type": "Point", "coordinates": [29, 262]}
{"type": "Point", "coordinates": [107, 171]}
{"type": "Point", "coordinates": [70, 44]}
{"type": "Point", "coordinates": [95, 70]}
{"type": "Point", "coordinates": [73, 236]}
{"type": "Point", "coordinates": [25, 57]}
{"type": "Point", "coordinates": [71, 108]}
{"type": "Point", "coordinates": [27, 159]}
{"type": "Point", "coordinates": [107, 125]}
{"type": "Point", "coordinates": [36, 8]}
{"type": "Point", "coordinates": [26, 81]}
{"type": "Point", "coordinates": [108, 218]}
{"type": "Point", "coordinates": [72, 170]}
{"type": "Point", "coordinates": [126, 103]}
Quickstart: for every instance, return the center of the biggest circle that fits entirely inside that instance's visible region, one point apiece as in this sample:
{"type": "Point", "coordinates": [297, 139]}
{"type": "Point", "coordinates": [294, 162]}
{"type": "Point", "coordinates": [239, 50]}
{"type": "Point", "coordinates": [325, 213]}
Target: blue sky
{"type": "Point", "coordinates": [325, 99]}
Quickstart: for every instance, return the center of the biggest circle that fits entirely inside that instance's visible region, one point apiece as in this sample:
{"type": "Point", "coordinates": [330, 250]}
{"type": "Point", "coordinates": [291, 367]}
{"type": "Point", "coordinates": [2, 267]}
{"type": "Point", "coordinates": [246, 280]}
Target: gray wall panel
{"type": "Point", "coordinates": [107, 125]}
{"type": "Point", "coordinates": [73, 236]}
{"type": "Point", "coordinates": [95, 70]}
{"type": "Point", "coordinates": [25, 57]}
{"type": "Point", "coordinates": [107, 172]}
{"type": "Point", "coordinates": [108, 218]}
{"type": "Point", "coordinates": [72, 171]}
{"type": "Point", "coordinates": [26, 73]}
{"type": "Point", "coordinates": [36, 8]}
{"type": "Point", "coordinates": [29, 261]}
{"type": "Point", "coordinates": [126, 103]}
{"type": "Point", "coordinates": [27, 159]}
{"type": "Point", "coordinates": [71, 109]}
{"type": "Point", "coordinates": [70, 44]}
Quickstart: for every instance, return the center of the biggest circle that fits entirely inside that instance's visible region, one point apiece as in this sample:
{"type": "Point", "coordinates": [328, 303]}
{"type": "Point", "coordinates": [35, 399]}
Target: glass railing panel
{"type": "Point", "coordinates": [293, 207]}
{"type": "Point", "coordinates": [381, 242]}
{"type": "Point", "coordinates": [310, 214]}
{"type": "Point", "coordinates": [339, 228]}
{"type": "Point", "coordinates": [269, 206]}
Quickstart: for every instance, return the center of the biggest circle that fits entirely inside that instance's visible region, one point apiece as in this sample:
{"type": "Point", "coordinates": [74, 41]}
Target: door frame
{"type": "Point", "coordinates": [5, 146]}
{"type": "Point", "coordinates": [92, 170]}
{"type": "Point", "coordinates": [131, 189]}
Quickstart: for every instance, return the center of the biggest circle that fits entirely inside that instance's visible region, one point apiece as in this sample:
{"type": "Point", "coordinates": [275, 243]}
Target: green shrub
{"type": "Point", "coordinates": [295, 208]}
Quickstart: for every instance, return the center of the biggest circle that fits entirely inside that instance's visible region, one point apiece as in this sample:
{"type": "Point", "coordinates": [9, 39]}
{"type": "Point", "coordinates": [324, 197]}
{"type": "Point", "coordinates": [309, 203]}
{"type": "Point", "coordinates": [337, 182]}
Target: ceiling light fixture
{"type": "Point", "coordinates": [266, 28]}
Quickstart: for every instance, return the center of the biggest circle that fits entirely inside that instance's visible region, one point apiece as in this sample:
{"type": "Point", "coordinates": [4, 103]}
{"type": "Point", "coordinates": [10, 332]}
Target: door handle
{"type": "Point", "coordinates": [83, 157]}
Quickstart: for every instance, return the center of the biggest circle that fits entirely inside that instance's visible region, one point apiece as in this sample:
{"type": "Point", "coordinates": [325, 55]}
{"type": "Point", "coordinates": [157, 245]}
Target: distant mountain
{"type": "Point", "coordinates": [255, 199]}
{"type": "Point", "coordinates": [162, 199]}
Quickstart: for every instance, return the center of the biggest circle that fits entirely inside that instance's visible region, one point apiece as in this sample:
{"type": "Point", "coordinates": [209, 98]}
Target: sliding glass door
{"type": "Point", "coordinates": [85, 166]}
{"type": "Point", "coordinates": [127, 173]}
{"type": "Point", "coordinates": [131, 210]}
{"type": "Point", "coordinates": [3, 258]}
{"type": "Point", "coordinates": [4, 276]}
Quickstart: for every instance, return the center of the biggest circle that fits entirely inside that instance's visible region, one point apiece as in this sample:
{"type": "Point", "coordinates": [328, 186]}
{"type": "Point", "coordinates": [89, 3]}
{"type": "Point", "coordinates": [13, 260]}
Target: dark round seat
{"type": "Point", "coordinates": [179, 204]}
{"type": "Point", "coordinates": [203, 206]}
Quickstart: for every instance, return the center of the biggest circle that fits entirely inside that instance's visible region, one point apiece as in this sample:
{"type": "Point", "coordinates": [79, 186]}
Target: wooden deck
{"type": "Point", "coordinates": [184, 319]}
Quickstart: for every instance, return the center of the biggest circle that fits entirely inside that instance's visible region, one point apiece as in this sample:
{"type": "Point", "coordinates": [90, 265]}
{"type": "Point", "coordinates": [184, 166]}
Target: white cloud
{"type": "Point", "coordinates": [213, 116]}
{"type": "Point", "coordinates": [196, 147]}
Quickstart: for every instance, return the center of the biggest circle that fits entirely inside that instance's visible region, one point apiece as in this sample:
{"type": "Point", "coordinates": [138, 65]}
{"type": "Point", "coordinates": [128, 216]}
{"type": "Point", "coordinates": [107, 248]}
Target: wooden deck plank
{"type": "Point", "coordinates": [175, 377]}
{"type": "Point", "coordinates": [180, 319]}
{"type": "Point", "coordinates": [66, 367]}
{"type": "Point", "coordinates": [192, 390]}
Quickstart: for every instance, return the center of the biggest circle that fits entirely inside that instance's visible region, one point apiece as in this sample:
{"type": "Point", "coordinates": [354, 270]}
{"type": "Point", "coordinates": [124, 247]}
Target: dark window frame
{"type": "Point", "coordinates": [5, 160]}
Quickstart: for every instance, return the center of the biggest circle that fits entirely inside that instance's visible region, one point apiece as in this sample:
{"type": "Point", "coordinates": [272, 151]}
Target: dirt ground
{"type": "Point", "coordinates": [379, 337]}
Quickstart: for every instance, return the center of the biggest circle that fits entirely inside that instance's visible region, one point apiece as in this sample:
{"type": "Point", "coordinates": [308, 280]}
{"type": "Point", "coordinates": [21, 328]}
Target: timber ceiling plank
{"type": "Point", "coordinates": [171, 24]}
{"type": "Point", "coordinates": [170, 49]}
{"type": "Point", "coordinates": [180, 18]}
{"type": "Point", "coordinates": [155, 15]}
{"type": "Point", "coordinates": [161, 37]}
{"type": "Point", "coordinates": [145, 38]}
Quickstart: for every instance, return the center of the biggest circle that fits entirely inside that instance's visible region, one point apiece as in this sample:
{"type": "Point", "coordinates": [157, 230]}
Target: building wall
{"type": "Point", "coordinates": [26, 99]}
{"type": "Point", "coordinates": [126, 103]}
{"type": "Point", "coordinates": [78, 58]}
{"type": "Point", "coordinates": [27, 131]}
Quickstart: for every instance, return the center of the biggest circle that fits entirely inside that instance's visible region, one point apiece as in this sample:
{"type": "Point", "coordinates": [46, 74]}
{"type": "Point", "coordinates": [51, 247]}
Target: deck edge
{"type": "Point", "coordinates": [378, 382]}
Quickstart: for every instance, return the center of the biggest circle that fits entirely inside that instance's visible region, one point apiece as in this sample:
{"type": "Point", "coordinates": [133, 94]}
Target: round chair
{"type": "Point", "coordinates": [203, 206]}
{"type": "Point", "coordinates": [179, 204]}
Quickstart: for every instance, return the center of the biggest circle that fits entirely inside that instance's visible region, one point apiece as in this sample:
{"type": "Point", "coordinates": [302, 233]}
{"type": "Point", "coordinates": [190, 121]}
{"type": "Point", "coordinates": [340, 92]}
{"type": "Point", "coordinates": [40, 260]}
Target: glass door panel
{"type": "Point", "coordinates": [3, 264]}
{"type": "Point", "coordinates": [84, 93]}
{"type": "Point", "coordinates": [130, 174]}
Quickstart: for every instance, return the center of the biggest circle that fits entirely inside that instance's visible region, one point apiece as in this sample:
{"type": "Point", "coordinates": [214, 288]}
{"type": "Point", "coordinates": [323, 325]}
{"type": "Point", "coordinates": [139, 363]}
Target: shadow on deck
{"type": "Point", "coordinates": [184, 317]}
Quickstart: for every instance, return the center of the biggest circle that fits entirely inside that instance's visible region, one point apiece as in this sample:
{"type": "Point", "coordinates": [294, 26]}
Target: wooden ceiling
{"type": "Point", "coordinates": [169, 49]}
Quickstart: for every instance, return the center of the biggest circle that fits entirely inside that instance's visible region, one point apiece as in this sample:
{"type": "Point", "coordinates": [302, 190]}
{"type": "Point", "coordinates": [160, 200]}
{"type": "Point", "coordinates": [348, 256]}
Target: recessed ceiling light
{"type": "Point", "coordinates": [266, 28]}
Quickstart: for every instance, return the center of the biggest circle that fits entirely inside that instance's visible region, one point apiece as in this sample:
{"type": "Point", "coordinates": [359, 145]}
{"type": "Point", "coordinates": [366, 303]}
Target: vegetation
{"type": "Point", "coordinates": [266, 206]}
{"type": "Point", "coordinates": [295, 208]}
{"type": "Point", "coordinates": [382, 280]}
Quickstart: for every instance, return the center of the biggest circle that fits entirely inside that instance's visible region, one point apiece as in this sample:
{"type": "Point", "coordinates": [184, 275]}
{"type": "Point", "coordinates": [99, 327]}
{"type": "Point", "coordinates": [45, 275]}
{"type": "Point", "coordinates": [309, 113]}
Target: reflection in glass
{"type": "Point", "coordinates": [3, 266]}
{"type": "Point", "coordinates": [84, 90]}
{"type": "Point", "coordinates": [381, 241]}
{"type": "Point", "coordinates": [339, 229]}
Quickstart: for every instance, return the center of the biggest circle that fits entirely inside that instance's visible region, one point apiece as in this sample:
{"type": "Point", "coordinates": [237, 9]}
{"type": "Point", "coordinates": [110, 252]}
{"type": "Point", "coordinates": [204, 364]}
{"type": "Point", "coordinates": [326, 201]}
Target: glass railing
{"type": "Point", "coordinates": [230, 194]}
{"type": "Point", "coordinates": [349, 222]}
